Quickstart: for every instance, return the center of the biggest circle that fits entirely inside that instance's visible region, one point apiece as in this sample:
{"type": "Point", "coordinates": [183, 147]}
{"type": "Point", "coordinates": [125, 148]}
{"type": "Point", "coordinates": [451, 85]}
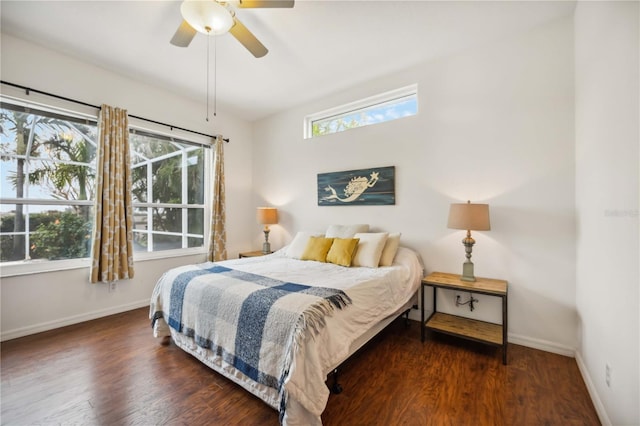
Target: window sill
{"type": "Point", "coordinates": [29, 267]}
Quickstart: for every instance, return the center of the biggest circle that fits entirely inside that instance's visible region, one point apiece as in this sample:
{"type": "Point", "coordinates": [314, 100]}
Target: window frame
{"type": "Point", "coordinates": [33, 266]}
{"type": "Point", "coordinates": [26, 266]}
{"type": "Point", "coordinates": [362, 105]}
{"type": "Point", "coordinates": [135, 129]}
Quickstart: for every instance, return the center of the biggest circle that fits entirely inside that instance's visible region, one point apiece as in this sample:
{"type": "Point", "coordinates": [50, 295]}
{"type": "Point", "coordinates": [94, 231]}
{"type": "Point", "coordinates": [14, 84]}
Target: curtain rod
{"type": "Point", "coordinates": [28, 89]}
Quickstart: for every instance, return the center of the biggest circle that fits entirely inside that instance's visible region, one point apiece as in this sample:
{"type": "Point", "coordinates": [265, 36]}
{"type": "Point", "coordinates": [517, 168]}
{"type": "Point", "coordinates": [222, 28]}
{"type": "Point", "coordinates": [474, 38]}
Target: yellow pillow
{"type": "Point", "coordinates": [342, 250]}
{"type": "Point", "coordinates": [316, 249]}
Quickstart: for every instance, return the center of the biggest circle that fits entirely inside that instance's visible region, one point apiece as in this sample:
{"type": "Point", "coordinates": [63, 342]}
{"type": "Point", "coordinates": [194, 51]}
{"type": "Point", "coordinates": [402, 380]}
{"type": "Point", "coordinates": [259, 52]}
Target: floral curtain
{"type": "Point", "coordinates": [218, 242]}
{"type": "Point", "coordinates": [112, 250]}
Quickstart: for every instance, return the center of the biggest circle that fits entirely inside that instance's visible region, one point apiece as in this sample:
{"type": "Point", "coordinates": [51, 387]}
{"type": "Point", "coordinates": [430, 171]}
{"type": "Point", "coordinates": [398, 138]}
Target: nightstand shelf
{"type": "Point", "coordinates": [471, 329]}
{"type": "Point", "coordinates": [252, 254]}
{"type": "Point", "coordinates": [466, 328]}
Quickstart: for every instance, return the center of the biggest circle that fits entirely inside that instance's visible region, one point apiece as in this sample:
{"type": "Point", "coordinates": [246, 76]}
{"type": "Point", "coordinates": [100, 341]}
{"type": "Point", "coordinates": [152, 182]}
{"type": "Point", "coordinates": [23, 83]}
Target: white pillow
{"type": "Point", "coordinates": [390, 249]}
{"type": "Point", "coordinates": [369, 249]}
{"type": "Point", "coordinates": [345, 231]}
{"type": "Point", "coordinates": [297, 246]}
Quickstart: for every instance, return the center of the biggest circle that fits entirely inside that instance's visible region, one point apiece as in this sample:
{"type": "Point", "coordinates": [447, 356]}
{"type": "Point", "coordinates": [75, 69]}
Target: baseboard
{"type": "Point", "coordinates": [543, 345]}
{"type": "Point", "coordinates": [530, 342]}
{"type": "Point", "coordinates": [63, 322]}
{"type": "Point", "coordinates": [593, 393]}
{"type": "Point", "coordinates": [584, 372]}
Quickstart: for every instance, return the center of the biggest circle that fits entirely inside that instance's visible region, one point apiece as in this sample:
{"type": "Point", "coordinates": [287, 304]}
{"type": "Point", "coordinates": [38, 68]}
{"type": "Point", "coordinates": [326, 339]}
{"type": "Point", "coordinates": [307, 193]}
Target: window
{"type": "Point", "coordinates": [47, 161]}
{"type": "Point", "coordinates": [376, 109]}
{"type": "Point", "coordinates": [168, 192]}
{"type": "Point", "coordinates": [47, 172]}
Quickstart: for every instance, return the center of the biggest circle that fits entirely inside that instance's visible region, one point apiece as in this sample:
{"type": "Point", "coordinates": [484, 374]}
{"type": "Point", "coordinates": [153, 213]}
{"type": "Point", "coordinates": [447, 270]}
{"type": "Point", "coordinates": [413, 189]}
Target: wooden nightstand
{"type": "Point", "coordinates": [466, 328]}
{"type": "Point", "coordinates": [252, 254]}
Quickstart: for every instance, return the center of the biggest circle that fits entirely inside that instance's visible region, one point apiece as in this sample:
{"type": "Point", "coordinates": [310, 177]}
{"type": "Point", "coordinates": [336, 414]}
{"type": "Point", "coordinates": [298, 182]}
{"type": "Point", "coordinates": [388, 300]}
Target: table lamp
{"type": "Point", "coordinates": [267, 216]}
{"type": "Point", "coordinates": [470, 217]}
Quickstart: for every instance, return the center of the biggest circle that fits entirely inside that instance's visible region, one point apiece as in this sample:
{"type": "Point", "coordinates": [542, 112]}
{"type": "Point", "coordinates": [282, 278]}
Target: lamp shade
{"type": "Point", "coordinates": [267, 215]}
{"type": "Point", "coordinates": [208, 17]}
{"type": "Point", "coordinates": [474, 217]}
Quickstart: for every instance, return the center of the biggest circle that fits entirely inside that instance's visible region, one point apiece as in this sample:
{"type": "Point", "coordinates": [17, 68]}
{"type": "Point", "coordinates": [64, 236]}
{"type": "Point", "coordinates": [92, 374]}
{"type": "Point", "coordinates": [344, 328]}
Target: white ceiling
{"type": "Point", "coordinates": [316, 48]}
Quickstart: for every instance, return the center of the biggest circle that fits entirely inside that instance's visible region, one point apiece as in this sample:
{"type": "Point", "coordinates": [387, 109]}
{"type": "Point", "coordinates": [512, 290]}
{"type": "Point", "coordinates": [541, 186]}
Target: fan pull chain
{"type": "Point", "coordinates": [215, 80]}
{"type": "Point", "coordinates": [215, 76]}
{"type": "Point", "coordinates": [207, 101]}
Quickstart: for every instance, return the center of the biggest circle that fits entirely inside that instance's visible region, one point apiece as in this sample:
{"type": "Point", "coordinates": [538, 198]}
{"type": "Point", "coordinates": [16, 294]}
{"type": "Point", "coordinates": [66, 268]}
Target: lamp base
{"type": "Point", "coordinates": [467, 272]}
{"type": "Point", "coordinates": [266, 248]}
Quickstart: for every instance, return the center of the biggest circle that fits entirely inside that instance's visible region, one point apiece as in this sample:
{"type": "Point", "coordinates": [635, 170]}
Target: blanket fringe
{"type": "Point", "coordinates": [313, 318]}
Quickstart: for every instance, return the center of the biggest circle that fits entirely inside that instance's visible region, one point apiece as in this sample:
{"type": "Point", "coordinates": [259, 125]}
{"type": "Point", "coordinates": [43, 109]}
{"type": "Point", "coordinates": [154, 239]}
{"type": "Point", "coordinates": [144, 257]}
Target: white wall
{"type": "Point", "coordinates": [495, 125]}
{"type": "Point", "coordinates": [607, 121]}
{"type": "Point", "coordinates": [38, 302]}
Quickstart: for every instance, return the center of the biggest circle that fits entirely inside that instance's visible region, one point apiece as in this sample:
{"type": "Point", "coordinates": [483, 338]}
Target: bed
{"type": "Point", "coordinates": [278, 325]}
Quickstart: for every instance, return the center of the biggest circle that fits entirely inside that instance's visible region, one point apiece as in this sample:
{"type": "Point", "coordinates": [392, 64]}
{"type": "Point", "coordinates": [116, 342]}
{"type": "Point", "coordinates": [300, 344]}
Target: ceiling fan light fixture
{"type": "Point", "coordinates": [207, 17]}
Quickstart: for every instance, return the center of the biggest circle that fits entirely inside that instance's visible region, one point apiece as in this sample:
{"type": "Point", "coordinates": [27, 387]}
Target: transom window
{"type": "Point", "coordinates": [387, 106]}
{"type": "Point", "coordinates": [48, 175]}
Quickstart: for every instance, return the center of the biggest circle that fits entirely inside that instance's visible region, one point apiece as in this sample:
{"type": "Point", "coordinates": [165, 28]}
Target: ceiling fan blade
{"type": "Point", "coordinates": [183, 36]}
{"type": "Point", "coordinates": [247, 39]}
{"type": "Point", "coordinates": [246, 4]}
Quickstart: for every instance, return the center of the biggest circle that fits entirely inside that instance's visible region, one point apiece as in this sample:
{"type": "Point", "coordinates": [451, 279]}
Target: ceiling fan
{"type": "Point", "coordinates": [213, 17]}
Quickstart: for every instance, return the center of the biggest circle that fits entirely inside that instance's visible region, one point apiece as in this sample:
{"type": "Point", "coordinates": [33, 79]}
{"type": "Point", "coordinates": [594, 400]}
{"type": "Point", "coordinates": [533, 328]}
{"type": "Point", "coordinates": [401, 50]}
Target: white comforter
{"type": "Point", "coordinates": [376, 293]}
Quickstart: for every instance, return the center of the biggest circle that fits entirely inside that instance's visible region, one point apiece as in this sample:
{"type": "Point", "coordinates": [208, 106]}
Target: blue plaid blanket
{"type": "Point", "coordinates": [254, 323]}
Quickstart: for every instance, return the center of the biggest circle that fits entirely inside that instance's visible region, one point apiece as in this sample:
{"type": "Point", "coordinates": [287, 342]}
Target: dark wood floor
{"type": "Point", "coordinates": [112, 371]}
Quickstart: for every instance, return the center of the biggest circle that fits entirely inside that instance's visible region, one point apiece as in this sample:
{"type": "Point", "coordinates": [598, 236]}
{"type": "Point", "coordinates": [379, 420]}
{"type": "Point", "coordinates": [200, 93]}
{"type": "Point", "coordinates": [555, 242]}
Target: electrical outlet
{"type": "Point", "coordinates": [607, 375]}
